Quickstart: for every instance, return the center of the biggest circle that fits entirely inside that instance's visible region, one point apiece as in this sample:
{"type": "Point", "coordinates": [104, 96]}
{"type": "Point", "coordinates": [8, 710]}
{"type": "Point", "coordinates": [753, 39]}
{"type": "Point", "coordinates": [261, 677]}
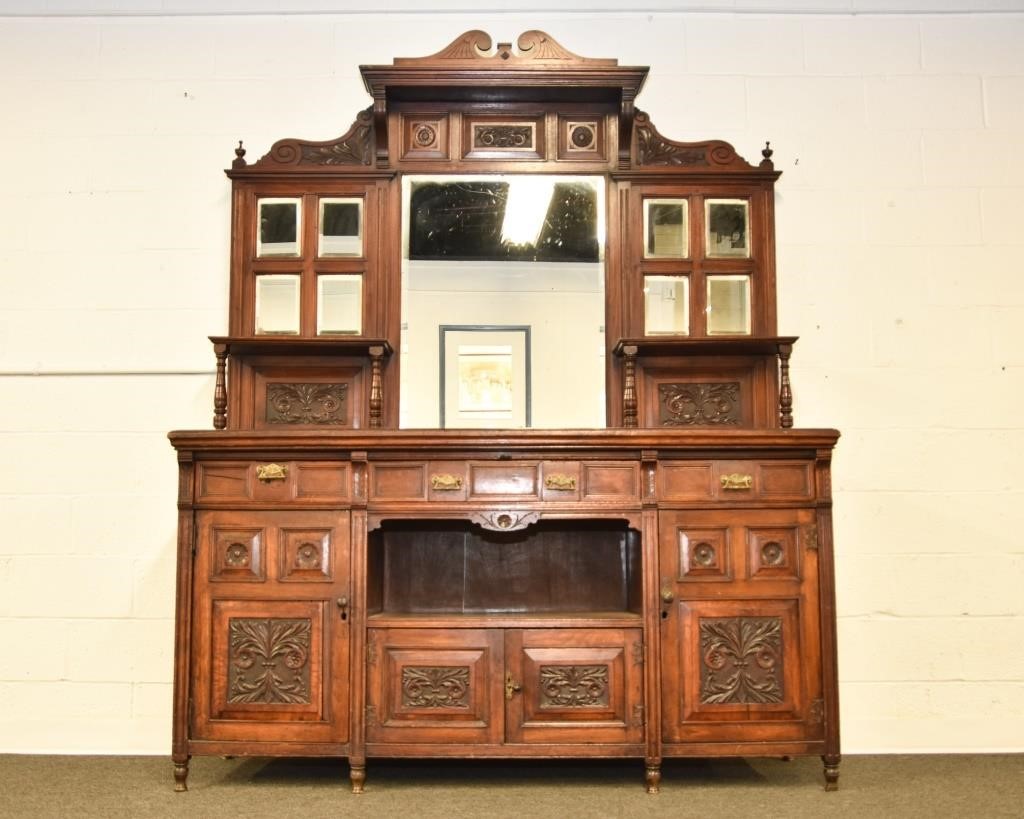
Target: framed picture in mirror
{"type": "Point", "coordinates": [485, 376]}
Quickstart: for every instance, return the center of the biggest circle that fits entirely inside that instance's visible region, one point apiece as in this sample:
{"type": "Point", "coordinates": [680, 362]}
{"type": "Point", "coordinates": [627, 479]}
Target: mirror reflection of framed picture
{"type": "Point", "coordinates": [485, 376]}
{"type": "Point", "coordinates": [728, 227]}
{"type": "Point", "coordinates": [341, 227]}
{"type": "Point", "coordinates": [666, 229]}
{"type": "Point", "coordinates": [279, 227]}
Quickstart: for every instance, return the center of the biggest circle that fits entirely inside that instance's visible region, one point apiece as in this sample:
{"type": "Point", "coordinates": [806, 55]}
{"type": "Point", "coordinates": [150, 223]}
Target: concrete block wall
{"type": "Point", "coordinates": [899, 249]}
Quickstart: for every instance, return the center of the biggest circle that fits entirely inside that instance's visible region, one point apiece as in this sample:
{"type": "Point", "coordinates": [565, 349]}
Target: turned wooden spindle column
{"type": "Point", "coordinates": [220, 390]}
{"type": "Point", "coordinates": [376, 388]}
{"type": "Point", "coordinates": [785, 388]}
{"type": "Point", "coordinates": [629, 386]}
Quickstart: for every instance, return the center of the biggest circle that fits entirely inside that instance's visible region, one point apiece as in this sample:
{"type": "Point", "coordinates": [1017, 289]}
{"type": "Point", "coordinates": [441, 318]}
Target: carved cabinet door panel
{"type": "Point", "coordinates": [574, 685]}
{"type": "Point", "coordinates": [740, 659]}
{"type": "Point", "coordinates": [270, 646]}
{"type": "Point", "coordinates": [434, 685]}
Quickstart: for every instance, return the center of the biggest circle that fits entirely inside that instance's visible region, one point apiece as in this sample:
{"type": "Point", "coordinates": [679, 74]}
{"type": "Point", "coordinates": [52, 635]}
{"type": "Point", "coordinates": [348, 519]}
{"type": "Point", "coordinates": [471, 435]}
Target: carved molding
{"type": "Point", "coordinates": [741, 660]}
{"type": "Point", "coordinates": [573, 686]}
{"type": "Point", "coordinates": [531, 47]}
{"type": "Point", "coordinates": [712, 404]}
{"type": "Point", "coordinates": [306, 403]}
{"type": "Point", "coordinates": [269, 661]}
{"type": "Point", "coordinates": [355, 147]}
{"type": "Point", "coordinates": [509, 521]}
{"type": "Point", "coordinates": [653, 149]}
{"type": "Point", "coordinates": [435, 686]}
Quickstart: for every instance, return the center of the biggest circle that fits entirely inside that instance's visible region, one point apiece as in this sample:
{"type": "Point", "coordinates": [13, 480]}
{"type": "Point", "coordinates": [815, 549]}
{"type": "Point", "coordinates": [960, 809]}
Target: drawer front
{"type": "Point", "coordinates": [272, 481]}
{"type": "Point", "coordinates": [723, 481]}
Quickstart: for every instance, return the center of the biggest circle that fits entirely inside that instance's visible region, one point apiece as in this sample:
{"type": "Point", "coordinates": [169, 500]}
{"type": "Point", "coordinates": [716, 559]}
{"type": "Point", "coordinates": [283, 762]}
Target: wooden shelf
{"type": "Point", "coordinates": [721, 345]}
{"type": "Point", "coordinates": [295, 345]}
{"type": "Point", "coordinates": [545, 619]}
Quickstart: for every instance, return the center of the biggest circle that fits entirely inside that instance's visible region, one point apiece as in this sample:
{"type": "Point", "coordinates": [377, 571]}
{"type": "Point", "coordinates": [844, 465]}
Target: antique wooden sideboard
{"type": "Point", "coordinates": [356, 581]}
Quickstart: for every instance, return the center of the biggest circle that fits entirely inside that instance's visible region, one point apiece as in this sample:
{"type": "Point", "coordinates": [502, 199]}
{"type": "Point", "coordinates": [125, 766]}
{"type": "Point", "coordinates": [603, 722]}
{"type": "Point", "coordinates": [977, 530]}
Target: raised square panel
{"type": "Point", "coordinates": [581, 138]}
{"type": "Point", "coordinates": [306, 555]}
{"type": "Point", "coordinates": [238, 555]}
{"type": "Point", "coordinates": [223, 481]}
{"type": "Point", "coordinates": [772, 553]}
{"type": "Point", "coordinates": [611, 481]}
{"type": "Point", "coordinates": [398, 481]}
{"type": "Point", "coordinates": [686, 481]}
{"type": "Point", "coordinates": [505, 480]}
{"type": "Point", "coordinates": [316, 481]}
{"type": "Point", "coordinates": [704, 554]}
{"type": "Point", "coordinates": [425, 136]}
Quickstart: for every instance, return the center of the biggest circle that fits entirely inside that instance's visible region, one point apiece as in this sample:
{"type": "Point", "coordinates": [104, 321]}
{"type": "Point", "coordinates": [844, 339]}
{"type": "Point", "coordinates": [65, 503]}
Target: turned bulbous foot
{"type": "Point", "coordinates": [831, 771]}
{"type": "Point", "coordinates": [357, 773]}
{"type": "Point", "coordinates": [180, 776]}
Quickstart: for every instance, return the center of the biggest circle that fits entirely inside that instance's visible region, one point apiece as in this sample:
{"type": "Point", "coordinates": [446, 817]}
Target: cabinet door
{"type": "Point", "coordinates": [434, 685]}
{"type": "Point", "coordinates": [574, 685]}
{"type": "Point", "coordinates": [271, 634]}
{"type": "Point", "coordinates": [740, 626]}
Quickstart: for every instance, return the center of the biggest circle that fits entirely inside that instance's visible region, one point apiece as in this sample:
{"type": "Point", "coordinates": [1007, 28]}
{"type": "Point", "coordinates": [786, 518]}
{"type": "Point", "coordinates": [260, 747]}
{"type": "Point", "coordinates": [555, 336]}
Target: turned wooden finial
{"type": "Point", "coordinates": [767, 152]}
{"type": "Point", "coordinates": [239, 161]}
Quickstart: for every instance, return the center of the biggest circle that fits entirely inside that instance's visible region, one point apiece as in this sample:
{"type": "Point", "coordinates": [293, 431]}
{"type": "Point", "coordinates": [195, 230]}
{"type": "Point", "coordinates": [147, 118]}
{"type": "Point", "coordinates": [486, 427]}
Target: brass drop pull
{"type": "Point", "coordinates": [737, 481]}
{"type": "Point", "coordinates": [561, 483]}
{"type": "Point", "coordinates": [343, 607]}
{"type": "Point", "coordinates": [446, 483]}
{"type": "Point", "coordinates": [511, 686]}
{"type": "Point", "coordinates": [271, 472]}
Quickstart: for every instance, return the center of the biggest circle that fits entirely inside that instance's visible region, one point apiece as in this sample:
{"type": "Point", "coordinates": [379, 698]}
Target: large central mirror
{"type": "Point", "coordinates": [503, 301]}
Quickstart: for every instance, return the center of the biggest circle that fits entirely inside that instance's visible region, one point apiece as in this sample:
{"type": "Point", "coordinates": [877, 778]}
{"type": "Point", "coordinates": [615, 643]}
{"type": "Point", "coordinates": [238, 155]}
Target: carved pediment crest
{"type": "Point", "coordinates": [354, 147]}
{"type": "Point", "coordinates": [531, 47]}
{"type": "Point", "coordinates": [653, 149]}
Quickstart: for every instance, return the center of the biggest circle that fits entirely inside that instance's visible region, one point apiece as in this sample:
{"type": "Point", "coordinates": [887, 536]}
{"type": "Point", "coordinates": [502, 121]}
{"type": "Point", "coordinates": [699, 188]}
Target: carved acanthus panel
{"type": "Point", "coordinates": [435, 686]}
{"type": "Point", "coordinates": [298, 403]}
{"type": "Point", "coordinates": [653, 149]}
{"type": "Point", "coordinates": [269, 661]}
{"type": "Point", "coordinates": [741, 660]}
{"type": "Point", "coordinates": [238, 555]}
{"type": "Point", "coordinates": [573, 686]}
{"type": "Point", "coordinates": [691, 404]}
{"type": "Point", "coordinates": [355, 147]}
{"type": "Point", "coordinates": [306, 555]}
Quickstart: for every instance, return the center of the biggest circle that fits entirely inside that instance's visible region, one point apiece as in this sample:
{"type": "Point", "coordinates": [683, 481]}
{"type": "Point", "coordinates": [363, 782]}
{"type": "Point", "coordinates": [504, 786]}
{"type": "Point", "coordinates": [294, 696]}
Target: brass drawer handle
{"type": "Point", "coordinates": [271, 472]}
{"type": "Point", "coordinates": [511, 686]}
{"type": "Point", "coordinates": [446, 483]}
{"type": "Point", "coordinates": [563, 483]}
{"type": "Point", "coordinates": [737, 481]}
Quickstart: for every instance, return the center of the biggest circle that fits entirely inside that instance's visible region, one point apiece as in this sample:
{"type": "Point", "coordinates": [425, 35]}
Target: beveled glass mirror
{"type": "Point", "coordinates": [503, 301]}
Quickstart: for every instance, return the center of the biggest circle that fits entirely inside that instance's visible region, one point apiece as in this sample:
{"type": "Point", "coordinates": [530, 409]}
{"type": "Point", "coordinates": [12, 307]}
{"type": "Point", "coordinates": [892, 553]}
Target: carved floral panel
{"type": "Point", "coordinates": [306, 403]}
{"type": "Point", "coordinates": [713, 404]}
{"type": "Point", "coordinates": [436, 686]}
{"type": "Point", "coordinates": [573, 686]}
{"type": "Point", "coordinates": [741, 660]}
{"type": "Point", "coordinates": [269, 661]}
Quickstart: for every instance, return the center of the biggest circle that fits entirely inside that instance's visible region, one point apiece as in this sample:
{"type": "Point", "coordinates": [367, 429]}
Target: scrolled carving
{"type": "Point", "coordinates": [573, 686]}
{"type": "Point", "coordinates": [532, 46]}
{"type": "Point", "coordinates": [715, 404]}
{"type": "Point", "coordinates": [509, 521]}
{"type": "Point", "coordinates": [306, 403]}
{"type": "Point", "coordinates": [653, 149]}
{"type": "Point", "coordinates": [355, 147]}
{"type": "Point", "coordinates": [269, 661]}
{"type": "Point", "coordinates": [741, 660]}
{"type": "Point", "coordinates": [503, 136]}
{"type": "Point", "coordinates": [435, 686]}
{"type": "Point", "coordinates": [539, 45]}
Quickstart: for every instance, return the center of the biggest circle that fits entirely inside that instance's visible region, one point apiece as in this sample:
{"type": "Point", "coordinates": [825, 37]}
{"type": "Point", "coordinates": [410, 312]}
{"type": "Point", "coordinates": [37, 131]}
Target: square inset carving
{"type": "Point", "coordinates": [704, 554]}
{"type": "Point", "coordinates": [425, 136]}
{"type": "Point", "coordinates": [306, 555]}
{"type": "Point", "coordinates": [581, 138]}
{"type": "Point", "coordinates": [238, 555]}
{"type": "Point", "coordinates": [773, 553]}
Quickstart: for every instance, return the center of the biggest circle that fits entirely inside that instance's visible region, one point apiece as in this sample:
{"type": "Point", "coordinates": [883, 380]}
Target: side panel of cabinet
{"type": "Point", "coordinates": [740, 656]}
{"type": "Point", "coordinates": [574, 685]}
{"type": "Point", "coordinates": [270, 640]}
{"type": "Point", "coordinates": [434, 685]}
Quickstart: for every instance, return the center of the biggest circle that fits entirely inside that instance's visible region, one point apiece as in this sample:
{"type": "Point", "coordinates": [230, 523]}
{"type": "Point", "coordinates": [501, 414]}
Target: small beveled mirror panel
{"type": "Point", "coordinates": [666, 229]}
{"type": "Point", "coordinates": [277, 305]}
{"type": "Point", "coordinates": [728, 228]}
{"type": "Point", "coordinates": [339, 305]}
{"type": "Point", "coordinates": [666, 305]}
{"type": "Point", "coordinates": [279, 227]}
{"type": "Point", "coordinates": [728, 305]}
{"type": "Point", "coordinates": [341, 227]}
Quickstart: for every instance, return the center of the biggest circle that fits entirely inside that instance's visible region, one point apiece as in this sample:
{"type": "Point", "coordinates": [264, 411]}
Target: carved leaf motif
{"type": "Point", "coordinates": [306, 403]}
{"type": "Point", "coordinates": [700, 404]}
{"type": "Point", "coordinates": [435, 686]}
{"type": "Point", "coordinates": [355, 147]}
{"type": "Point", "coordinates": [269, 661]}
{"type": "Point", "coordinates": [742, 660]}
{"type": "Point", "coordinates": [654, 149]}
{"type": "Point", "coordinates": [573, 686]}
{"type": "Point", "coordinates": [503, 136]}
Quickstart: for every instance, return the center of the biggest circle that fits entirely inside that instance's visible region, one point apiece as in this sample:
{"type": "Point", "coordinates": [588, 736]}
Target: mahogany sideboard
{"type": "Point", "coordinates": [659, 587]}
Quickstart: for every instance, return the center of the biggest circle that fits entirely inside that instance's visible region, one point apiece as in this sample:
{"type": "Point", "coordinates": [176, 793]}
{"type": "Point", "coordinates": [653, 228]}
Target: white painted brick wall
{"type": "Point", "coordinates": [899, 235]}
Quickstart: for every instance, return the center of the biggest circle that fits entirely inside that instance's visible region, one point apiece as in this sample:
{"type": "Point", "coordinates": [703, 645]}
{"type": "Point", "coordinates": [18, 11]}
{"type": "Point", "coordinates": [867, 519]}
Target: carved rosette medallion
{"type": "Point", "coordinates": [439, 686]}
{"type": "Point", "coordinates": [237, 555]}
{"type": "Point", "coordinates": [772, 553]}
{"type": "Point", "coordinates": [704, 554]}
{"type": "Point", "coordinates": [307, 556]}
{"type": "Point", "coordinates": [573, 686]}
{"type": "Point", "coordinates": [508, 137]}
{"type": "Point", "coordinates": [425, 136]}
{"type": "Point", "coordinates": [269, 662]}
{"type": "Point", "coordinates": [306, 403]}
{"type": "Point", "coordinates": [714, 404]}
{"type": "Point", "coordinates": [741, 660]}
{"type": "Point", "coordinates": [581, 137]}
